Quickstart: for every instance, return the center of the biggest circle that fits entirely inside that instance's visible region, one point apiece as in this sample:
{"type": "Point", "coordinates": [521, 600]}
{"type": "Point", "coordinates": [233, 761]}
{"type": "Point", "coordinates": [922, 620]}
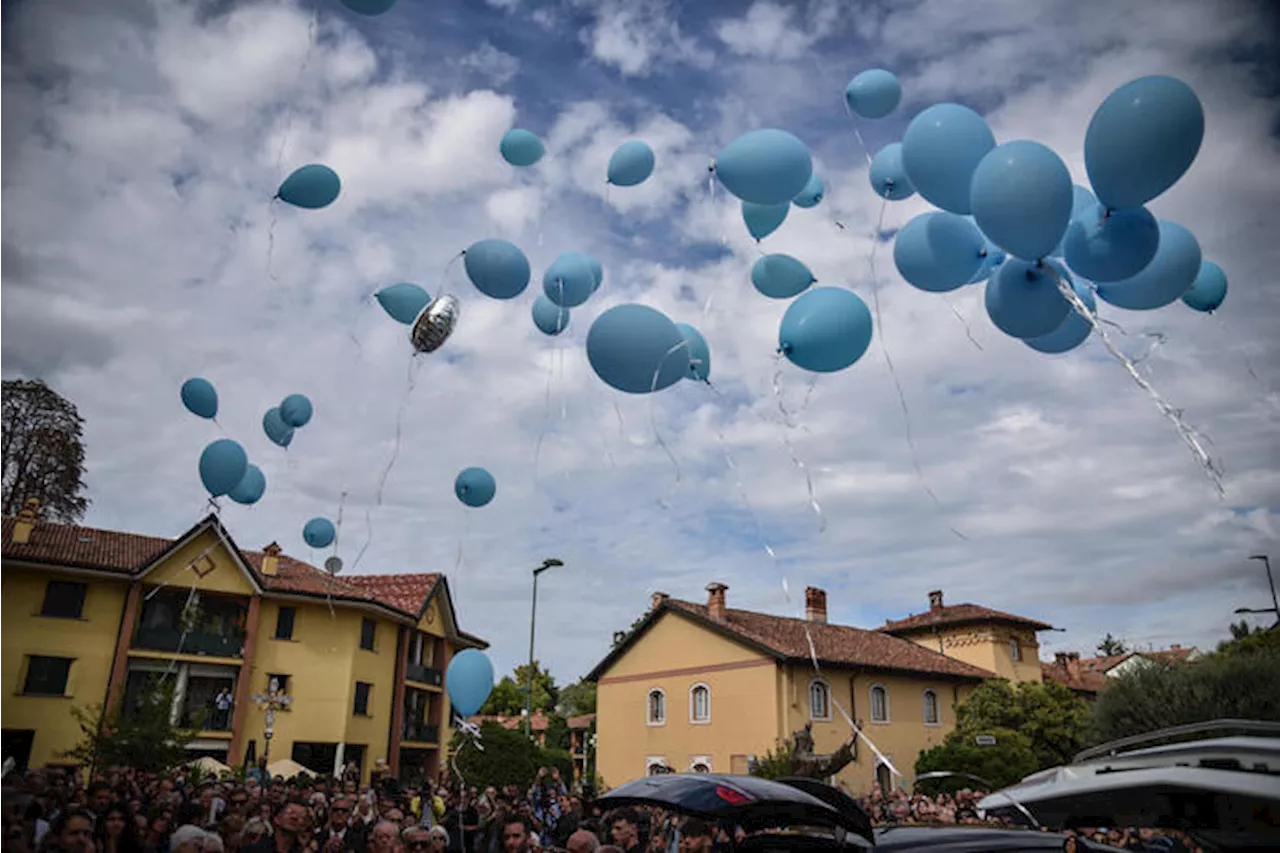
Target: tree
{"type": "Point", "coordinates": [776, 763]}
{"type": "Point", "coordinates": [557, 736]}
{"type": "Point", "coordinates": [1111, 646]}
{"type": "Point", "coordinates": [508, 758]}
{"type": "Point", "coordinates": [1239, 630]}
{"type": "Point", "coordinates": [506, 699]}
{"type": "Point", "coordinates": [1003, 763]}
{"type": "Point", "coordinates": [142, 736]}
{"type": "Point", "coordinates": [578, 698]}
{"type": "Point", "coordinates": [509, 695]}
{"type": "Point", "coordinates": [43, 451]}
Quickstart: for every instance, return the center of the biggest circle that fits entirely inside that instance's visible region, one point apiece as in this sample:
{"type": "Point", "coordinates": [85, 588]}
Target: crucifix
{"type": "Point", "coordinates": [273, 701]}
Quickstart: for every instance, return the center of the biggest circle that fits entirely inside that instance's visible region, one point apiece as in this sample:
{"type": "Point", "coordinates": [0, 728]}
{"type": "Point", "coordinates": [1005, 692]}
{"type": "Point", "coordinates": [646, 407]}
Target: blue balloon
{"type": "Point", "coordinates": [811, 194]}
{"type": "Point", "coordinates": [1110, 246]}
{"type": "Point", "coordinates": [1163, 281]}
{"type": "Point", "coordinates": [763, 219]}
{"type": "Point", "coordinates": [873, 93]}
{"type": "Point", "coordinates": [403, 301]}
{"type": "Point", "coordinates": [295, 410]}
{"type": "Point", "coordinates": [549, 317]}
{"type": "Point", "coordinates": [475, 487]}
{"type": "Point", "coordinates": [200, 397]}
{"type": "Point", "coordinates": [888, 176]}
{"type": "Point", "coordinates": [1021, 197]}
{"type": "Point", "coordinates": [1073, 331]}
{"type": "Point", "coordinates": [992, 258]}
{"type": "Point", "coordinates": [521, 148]}
{"type": "Point", "coordinates": [469, 680]}
{"type": "Point", "coordinates": [250, 488]}
{"type": "Point", "coordinates": [780, 276]}
{"type": "Point", "coordinates": [497, 268]}
{"type": "Point", "coordinates": [699, 353]}
{"type": "Point", "coordinates": [222, 466]}
{"type": "Point", "coordinates": [1023, 299]}
{"type": "Point", "coordinates": [631, 164]}
{"type": "Point", "coordinates": [938, 251]}
{"type": "Point", "coordinates": [311, 187]}
{"type": "Point", "coordinates": [597, 272]}
{"type": "Point", "coordinates": [570, 280]}
{"type": "Point", "coordinates": [319, 533]}
{"type": "Point", "coordinates": [276, 429]}
{"type": "Point", "coordinates": [1141, 139]}
{"type": "Point", "coordinates": [1208, 290]}
{"type": "Point", "coordinates": [940, 151]}
{"type": "Point", "coordinates": [1081, 200]}
{"type": "Point", "coordinates": [369, 7]}
{"type": "Point", "coordinates": [765, 166]}
{"type": "Point", "coordinates": [825, 330]}
{"type": "Point", "coordinates": [636, 349]}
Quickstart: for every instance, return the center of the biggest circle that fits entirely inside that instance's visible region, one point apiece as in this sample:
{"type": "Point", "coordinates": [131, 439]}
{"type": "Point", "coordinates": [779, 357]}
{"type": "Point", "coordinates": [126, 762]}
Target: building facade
{"type": "Point", "coordinates": [706, 688]}
{"type": "Point", "coordinates": [98, 617]}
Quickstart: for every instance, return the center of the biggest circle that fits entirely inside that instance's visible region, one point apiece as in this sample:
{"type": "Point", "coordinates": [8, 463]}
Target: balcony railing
{"type": "Point", "coordinates": [194, 643]}
{"type": "Point", "coordinates": [423, 674]}
{"type": "Point", "coordinates": [417, 732]}
{"type": "Point", "coordinates": [205, 719]}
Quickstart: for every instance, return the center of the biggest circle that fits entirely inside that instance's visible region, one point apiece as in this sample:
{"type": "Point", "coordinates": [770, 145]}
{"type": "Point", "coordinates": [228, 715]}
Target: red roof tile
{"type": "Point", "coordinates": [540, 721]}
{"type": "Point", "coordinates": [958, 614]}
{"type": "Point", "coordinates": [1073, 678]}
{"type": "Point", "coordinates": [404, 592]}
{"type": "Point", "coordinates": [582, 721]}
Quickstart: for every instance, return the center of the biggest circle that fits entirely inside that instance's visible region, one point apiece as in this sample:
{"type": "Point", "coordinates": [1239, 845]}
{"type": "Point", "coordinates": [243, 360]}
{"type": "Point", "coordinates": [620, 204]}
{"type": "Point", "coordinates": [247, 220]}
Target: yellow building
{"type": "Point", "coordinates": [95, 616]}
{"type": "Point", "coordinates": [705, 688]}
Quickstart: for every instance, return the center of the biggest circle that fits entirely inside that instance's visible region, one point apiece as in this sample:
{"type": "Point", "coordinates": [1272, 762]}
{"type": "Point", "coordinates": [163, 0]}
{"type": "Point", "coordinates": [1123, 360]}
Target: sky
{"type": "Point", "coordinates": [144, 141]}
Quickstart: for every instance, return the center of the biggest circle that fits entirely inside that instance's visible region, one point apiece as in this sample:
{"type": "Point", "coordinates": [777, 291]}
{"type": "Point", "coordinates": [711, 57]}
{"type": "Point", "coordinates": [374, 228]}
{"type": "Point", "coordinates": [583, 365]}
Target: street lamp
{"type": "Point", "coordinates": [533, 618]}
{"type": "Point", "coordinates": [1275, 605]}
{"type": "Point", "coordinates": [273, 701]}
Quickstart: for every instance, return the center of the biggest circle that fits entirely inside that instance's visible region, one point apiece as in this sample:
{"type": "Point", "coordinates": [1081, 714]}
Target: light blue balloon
{"type": "Point", "coordinates": [1023, 299]}
{"type": "Point", "coordinates": [825, 330]}
{"type": "Point", "coordinates": [888, 176]}
{"type": "Point", "coordinates": [295, 410]}
{"type": "Point", "coordinates": [570, 280]}
{"type": "Point", "coordinates": [940, 151]}
{"type": "Point", "coordinates": [938, 252]}
{"type": "Point", "coordinates": [811, 194]}
{"type": "Point", "coordinates": [1110, 246]}
{"type": "Point", "coordinates": [549, 317]}
{"type": "Point", "coordinates": [469, 680]}
{"type": "Point", "coordinates": [597, 272]}
{"type": "Point", "coordinates": [699, 353]}
{"type": "Point", "coordinates": [763, 219]}
{"type": "Point", "coordinates": [520, 147]}
{"type": "Point", "coordinates": [1073, 331]}
{"type": "Point", "coordinates": [873, 93]}
{"type": "Point", "coordinates": [780, 276]}
{"type": "Point", "coordinates": [1021, 198]}
{"type": "Point", "coordinates": [200, 397]}
{"type": "Point", "coordinates": [319, 532]}
{"type": "Point", "coordinates": [403, 302]}
{"type": "Point", "coordinates": [1141, 139]}
{"type": "Point", "coordinates": [222, 466]}
{"type": "Point", "coordinates": [497, 268]}
{"type": "Point", "coordinates": [251, 486]}
{"type": "Point", "coordinates": [1081, 200]}
{"type": "Point", "coordinates": [631, 164]}
{"type": "Point", "coordinates": [475, 487]}
{"type": "Point", "coordinates": [1163, 281]}
{"type": "Point", "coordinates": [369, 7]}
{"type": "Point", "coordinates": [765, 166]}
{"type": "Point", "coordinates": [637, 349]}
{"type": "Point", "coordinates": [311, 187]}
{"type": "Point", "coordinates": [1208, 290]}
{"type": "Point", "coordinates": [276, 429]}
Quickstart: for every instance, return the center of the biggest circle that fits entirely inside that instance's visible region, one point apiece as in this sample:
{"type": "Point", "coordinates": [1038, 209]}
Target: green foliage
{"type": "Point", "coordinates": [506, 698]}
{"type": "Point", "coordinates": [558, 733]}
{"type": "Point", "coordinates": [508, 758]}
{"type": "Point", "coordinates": [578, 698]}
{"type": "Point", "coordinates": [1007, 762]}
{"type": "Point", "coordinates": [43, 450]}
{"type": "Point", "coordinates": [1248, 641]}
{"type": "Point", "coordinates": [141, 737]}
{"type": "Point", "coordinates": [1111, 646]}
{"type": "Point", "coordinates": [509, 694]}
{"type": "Point", "coordinates": [775, 763]}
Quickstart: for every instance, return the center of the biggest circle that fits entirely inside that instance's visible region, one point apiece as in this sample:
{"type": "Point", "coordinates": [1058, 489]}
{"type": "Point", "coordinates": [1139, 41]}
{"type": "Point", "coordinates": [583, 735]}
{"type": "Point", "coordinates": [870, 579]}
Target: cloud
{"type": "Point", "coordinates": [494, 64]}
{"type": "Point", "coordinates": [635, 36]}
{"type": "Point", "coordinates": [770, 30]}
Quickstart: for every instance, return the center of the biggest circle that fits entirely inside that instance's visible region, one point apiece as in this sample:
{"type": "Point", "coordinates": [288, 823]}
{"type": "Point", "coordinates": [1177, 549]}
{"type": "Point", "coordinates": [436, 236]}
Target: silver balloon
{"type": "Point", "coordinates": [333, 565]}
{"type": "Point", "coordinates": [435, 323]}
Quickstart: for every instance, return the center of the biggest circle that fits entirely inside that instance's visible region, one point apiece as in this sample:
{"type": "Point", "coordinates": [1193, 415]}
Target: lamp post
{"type": "Point", "coordinates": [1275, 605]}
{"type": "Point", "coordinates": [533, 618]}
{"type": "Point", "coordinates": [273, 701]}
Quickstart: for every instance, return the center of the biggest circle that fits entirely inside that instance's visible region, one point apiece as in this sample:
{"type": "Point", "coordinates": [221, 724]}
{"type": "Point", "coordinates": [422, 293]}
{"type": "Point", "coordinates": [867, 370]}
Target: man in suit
{"type": "Point", "coordinates": [340, 835]}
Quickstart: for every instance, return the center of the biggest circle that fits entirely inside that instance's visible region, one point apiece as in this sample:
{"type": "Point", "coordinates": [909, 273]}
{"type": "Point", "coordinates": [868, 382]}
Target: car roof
{"type": "Point", "coordinates": [970, 839]}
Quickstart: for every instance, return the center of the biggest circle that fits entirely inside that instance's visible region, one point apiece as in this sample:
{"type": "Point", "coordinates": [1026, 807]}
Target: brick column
{"type": "Point", "coordinates": [397, 702]}
{"type": "Point", "coordinates": [244, 683]}
{"type": "Point", "coordinates": [124, 639]}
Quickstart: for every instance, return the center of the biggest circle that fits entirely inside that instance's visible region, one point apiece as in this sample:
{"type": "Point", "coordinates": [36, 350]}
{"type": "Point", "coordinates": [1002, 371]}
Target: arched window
{"type": "Point", "coordinates": [931, 708]}
{"type": "Point", "coordinates": [1015, 649]}
{"type": "Point", "coordinates": [700, 704]}
{"type": "Point", "coordinates": [655, 765]}
{"type": "Point", "coordinates": [879, 703]}
{"type": "Point", "coordinates": [819, 700]}
{"type": "Point", "coordinates": [701, 765]}
{"type": "Point", "coordinates": [657, 707]}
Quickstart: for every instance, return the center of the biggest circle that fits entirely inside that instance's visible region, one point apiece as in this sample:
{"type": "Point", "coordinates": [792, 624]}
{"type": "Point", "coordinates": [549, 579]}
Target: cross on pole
{"type": "Point", "coordinates": [272, 701]}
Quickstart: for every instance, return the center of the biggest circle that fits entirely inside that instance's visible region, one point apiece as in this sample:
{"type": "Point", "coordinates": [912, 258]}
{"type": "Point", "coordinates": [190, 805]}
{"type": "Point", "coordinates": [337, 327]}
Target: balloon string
{"type": "Point", "coordinates": [271, 240]}
{"type": "Point", "coordinates": [791, 450]}
{"type": "Point", "coordinates": [546, 418]}
{"type": "Point", "coordinates": [466, 532]}
{"type": "Point", "coordinates": [1268, 394]}
{"type": "Point", "coordinates": [444, 277]}
{"type": "Point", "coordinates": [857, 132]}
{"type": "Point", "coordinates": [665, 500]}
{"type": "Point", "coordinates": [1189, 436]}
{"type": "Point", "coordinates": [968, 333]}
{"type": "Point", "coordinates": [564, 398]}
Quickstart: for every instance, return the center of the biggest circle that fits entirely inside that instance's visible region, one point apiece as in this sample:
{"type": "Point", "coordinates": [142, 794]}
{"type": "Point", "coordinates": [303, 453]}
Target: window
{"type": "Point", "coordinates": [700, 764]}
{"type": "Point", "coordinates": [819, 700]}
{"type": "Point", "coordinates": [362, 698]}
{"type": "Point", "coordinates": [879, 704]}
{"type": "Point", "coordinates": [368, 633]}
{"type": "Point", "coordinates": [63, 599]}
{"type": "Point", "coordinates": [1015, 650]}
{"type": "Point", "coordinates": [700, 704]}
{"type": "Point", "coordinates": [655, 765]}
{"type": "Point", "coordinates": [930, 708]}
{"type": "Point", "coordinates": [284, 622]}
{"type": "Point", "coordinates": [46, 676]}
{"type": "Point", "coordinates": [657, 707]}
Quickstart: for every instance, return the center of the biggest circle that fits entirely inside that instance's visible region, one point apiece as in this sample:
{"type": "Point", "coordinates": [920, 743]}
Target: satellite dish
{"type": "Point", "coordinates": [333, 565]}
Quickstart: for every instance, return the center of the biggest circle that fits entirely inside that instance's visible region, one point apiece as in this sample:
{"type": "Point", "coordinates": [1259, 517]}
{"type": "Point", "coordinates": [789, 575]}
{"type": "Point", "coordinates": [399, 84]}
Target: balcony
{"type": "Point", "coordinates": [423, 674]}
{"type": "Point", "coordinates": [419, 732]}
{"type": "Point", "coordinates": [194, 643]}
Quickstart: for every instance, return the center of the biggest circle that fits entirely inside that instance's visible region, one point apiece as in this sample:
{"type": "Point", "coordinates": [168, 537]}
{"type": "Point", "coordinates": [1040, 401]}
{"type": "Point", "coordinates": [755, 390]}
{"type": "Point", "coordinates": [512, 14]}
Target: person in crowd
{"type": "Point", "coordinates": [516, 834]}
{"type": "Point", "coordinates": [624, 831]}
{"type": "Point", "coordinates": [695, 836]}
{"type": "Point", "coordinates": [384, 838]}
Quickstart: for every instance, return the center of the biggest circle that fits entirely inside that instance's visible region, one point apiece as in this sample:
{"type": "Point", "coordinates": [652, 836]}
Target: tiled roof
{"type": "Point", "coordinates": [582, 721]}
{"type": "Point", "coordinates": [540, 721]}
{"type": "Point", "coordinates": [404, 592]}
{"type": "Point", "coordinates": [1072, 678]}
{"type": "Point", "coordinates": [1102, 664]}
{"type": "Point", "coordinates": [958, 614]}
{"type": "Point", "coordinates": [833, 644]}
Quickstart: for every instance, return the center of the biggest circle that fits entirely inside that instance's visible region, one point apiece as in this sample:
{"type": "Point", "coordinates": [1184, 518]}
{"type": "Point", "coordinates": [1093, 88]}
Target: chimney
{"type": "Point", "coordinates": [935, 600]}
{"type": "Point", "coordinates": [26, 521]}
{"type": "Point", "coordinates": [1175, 647]}
{"type": "Point", "coordinates": [715, 599]}
{"type": "Point", "coordinates": [271, 559]}
{"type": "Point", "coordinates": [657, 600]}
{"type": "Point", "coordinates": [815, 604]}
